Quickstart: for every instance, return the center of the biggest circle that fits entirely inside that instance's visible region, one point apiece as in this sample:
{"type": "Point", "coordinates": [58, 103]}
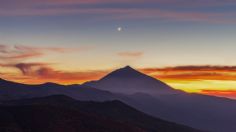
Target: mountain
{"type": "Point", "coordinates": [143, 93]}
{"type": "Point", "coordinates": [113, 111]}
{"type": "Point", "coordinates": [130, 81]}
{"type": "Point", "coordinates": [160, 100]}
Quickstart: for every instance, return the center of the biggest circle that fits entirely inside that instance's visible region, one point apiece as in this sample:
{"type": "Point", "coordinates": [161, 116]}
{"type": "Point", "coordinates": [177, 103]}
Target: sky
{"type": "Point", "coordinates": [189, 44]}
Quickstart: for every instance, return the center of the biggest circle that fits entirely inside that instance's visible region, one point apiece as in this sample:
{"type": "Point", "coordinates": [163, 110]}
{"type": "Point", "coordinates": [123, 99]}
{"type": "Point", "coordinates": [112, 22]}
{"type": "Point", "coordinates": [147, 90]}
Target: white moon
{"type": "Point", "coordinates": [119, 29]}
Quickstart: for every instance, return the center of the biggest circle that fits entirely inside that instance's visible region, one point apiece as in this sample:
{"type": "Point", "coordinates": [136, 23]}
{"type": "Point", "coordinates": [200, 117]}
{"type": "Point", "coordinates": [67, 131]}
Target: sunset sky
{"type": "Point", "coordinates": [189, 44]}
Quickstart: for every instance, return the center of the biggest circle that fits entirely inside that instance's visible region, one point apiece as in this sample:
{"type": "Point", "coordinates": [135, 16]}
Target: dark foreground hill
{"type": "Point", "coordinates": [53, 119]}
{"type": "Point", "coordinates": [60, 113]}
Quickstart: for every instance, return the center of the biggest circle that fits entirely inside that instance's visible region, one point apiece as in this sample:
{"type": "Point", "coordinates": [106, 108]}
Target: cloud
{"type": "Point", "coordinates": [193, 72]}
{"type": "Point", "coordinates": [192, 68]}
{"type": "Point", "coordinates": [198, 76]}
{"type": "Point", "coordinates": [8, 53]}
{"type": "Point", "coordinates": [34, 73]}
{"type": "Point", "coordinates": [126, 9]}
{"type": "Point", "coordinates": [130, 54]}
{"type": "Point", "coordinates": [27, 68]}
{"type": "Point", "coordinates": [221, 93]}
{"type": "Point", "coordinates": [52, 49]}
{"type": "Point", "coordinates": [21, 52]}
{"type": "Point", "coordinates": [15, 56]}
{"type": "Point", "coordinates": [24, 3]}
{"type": "Point", "coordinates": [63, 76]}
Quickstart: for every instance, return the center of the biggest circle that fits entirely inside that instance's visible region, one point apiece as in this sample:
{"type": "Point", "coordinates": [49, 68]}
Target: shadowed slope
{"type": "Point", "coordinates": [43, 118]}
{"type": "Point", "coordinates": [112, 110]}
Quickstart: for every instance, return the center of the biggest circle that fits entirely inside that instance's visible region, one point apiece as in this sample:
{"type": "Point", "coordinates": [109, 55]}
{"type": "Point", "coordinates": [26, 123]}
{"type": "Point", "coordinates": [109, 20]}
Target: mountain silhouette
{"type": "Point", "coordinates": [130, 81]}
{"type": "Point", "coordinates": [154, 97]}
{"type": "Point", "coordinates": [143, 93]}
{"type": "Point", "coordinates": [121, 116]}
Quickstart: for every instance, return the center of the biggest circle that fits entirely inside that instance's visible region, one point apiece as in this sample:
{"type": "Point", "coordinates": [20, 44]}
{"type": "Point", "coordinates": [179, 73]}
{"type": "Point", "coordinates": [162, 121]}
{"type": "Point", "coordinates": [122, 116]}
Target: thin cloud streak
{"type": "Point", "coordinates": [193, 72]}
{"type": "Point", "coordinates": [126, 10]}
{"type": "Point", "coordinates": [21, 52]}
{"type": "Point", "coordinates": [205, 68]}
{"type": "Point", "coordinates": [27, 3]}
{"type": "Point", "coordinates": [130, 14]}
{"type": "Point", "coordinates": [132, 54]}
{"type": "Point", "coordinates": [221, 93]}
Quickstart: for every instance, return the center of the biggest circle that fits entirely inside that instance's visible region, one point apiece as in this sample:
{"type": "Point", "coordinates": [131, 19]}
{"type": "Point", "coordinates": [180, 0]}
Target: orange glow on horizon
{"type": "Point", "coordinates": [218, 82]}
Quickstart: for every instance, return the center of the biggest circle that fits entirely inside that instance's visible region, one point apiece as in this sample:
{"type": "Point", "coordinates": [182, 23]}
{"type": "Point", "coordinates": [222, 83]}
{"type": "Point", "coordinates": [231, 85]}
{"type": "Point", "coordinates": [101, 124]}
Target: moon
{"type": "Point", "coordinates": [119, 29]}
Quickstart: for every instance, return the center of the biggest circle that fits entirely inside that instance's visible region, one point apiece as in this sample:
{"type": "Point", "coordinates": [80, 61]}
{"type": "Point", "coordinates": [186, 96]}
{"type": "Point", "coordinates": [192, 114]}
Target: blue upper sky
{"type": "Point", "coordinates": [155, 32]}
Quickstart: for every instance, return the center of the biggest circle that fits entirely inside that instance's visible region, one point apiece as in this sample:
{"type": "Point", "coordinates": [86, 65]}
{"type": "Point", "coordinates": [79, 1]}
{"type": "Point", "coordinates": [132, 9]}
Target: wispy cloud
{"type": "Point", "coordinates": [25, 68]}
{"type": "Point", "coordinates": [28, 68]}
{"type": "Point", "coordinates": [193, 68]}
{"type": "Point", "coordinates": [199, 10]}
{"type": "Point", "coordinates": [168, 2]}
{"type": "Point", "coordinates": [8, 53]}
{"type": "Point", "coordinates": [16, 56]}
{"type": "Point", "coordinates": [34, 73]}
{"type": "Point", "coordinates": [49, 74]}
{"type": "Point", "coordinates": [222, 93]}
{"type": "Point", "coordinates": [21, 52]}
{"type": "Point", "coordinates": [131, 54]}
{"type": "Point", "coordinates": [194, 72]}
